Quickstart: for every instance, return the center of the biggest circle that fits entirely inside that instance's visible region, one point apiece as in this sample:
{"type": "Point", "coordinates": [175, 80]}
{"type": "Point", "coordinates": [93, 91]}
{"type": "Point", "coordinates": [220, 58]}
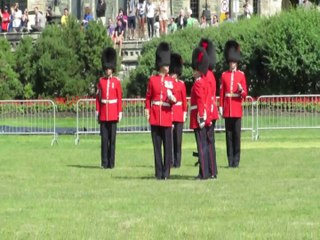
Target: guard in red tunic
{"type": "Point", "coordinates": [108, 107]}
{"type": "Point", "coordinates": [179, 109]}
{"type": "Point", "coordinates": [213, 114]}
{"type": "Point", "coordinates": [233, 90]}
{"type": "Point", "coordinates": [198, 109]}
{"type": "Point", "coordinates": [159, 100]}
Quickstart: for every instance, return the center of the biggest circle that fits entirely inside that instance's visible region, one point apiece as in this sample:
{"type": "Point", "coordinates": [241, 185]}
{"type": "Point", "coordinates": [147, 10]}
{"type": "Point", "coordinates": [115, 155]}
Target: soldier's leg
{"type": "Point", "coordinates": [157, 141]}
{"type": "Point", "coordinates": [167, 148]}
{"type": "Point", "coordinates": [178, 129]}
{"type": "Point", "coordinates": [104, 144]}
{"type": "Point", "coordinates": [229, 130]}
{"type": "Point", "coordinates": [211, 150]}
{"type": "Point", "coordinates": [112, 143]}
{"type": "Point", "coordinates": [237, 141]}
{"type": "Point", "coordinates": [202, 147]}
{"type": "Point", "coordinates": [214, 148]}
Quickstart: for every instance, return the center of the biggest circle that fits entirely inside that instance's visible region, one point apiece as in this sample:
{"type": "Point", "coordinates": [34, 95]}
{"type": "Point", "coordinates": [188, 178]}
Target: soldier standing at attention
{"type": "Point", "coordinates": [233, 90]}
{"type": "Point", "coordinates": [158, 109]}
{"type": "Point", "coordinates": [108, 107]}
{"type": "Point", "coordinates": [213, 114]}
{"type": "Point", "coordinates": [198, 109]}
{"type": "Point", "coordinates": [179, 109]}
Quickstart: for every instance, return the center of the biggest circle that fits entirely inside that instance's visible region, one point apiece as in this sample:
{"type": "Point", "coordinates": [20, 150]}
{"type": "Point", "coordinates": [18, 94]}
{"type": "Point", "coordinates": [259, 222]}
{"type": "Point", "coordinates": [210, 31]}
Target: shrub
{"type": "Point", "coordinates": [278, 55]}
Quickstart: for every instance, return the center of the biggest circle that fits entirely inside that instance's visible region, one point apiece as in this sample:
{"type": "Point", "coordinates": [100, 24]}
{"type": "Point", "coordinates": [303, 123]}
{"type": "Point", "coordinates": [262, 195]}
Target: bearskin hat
{"type": "Point", "coordinates": [232, 51]}
{"type": "Point", "coordinates": [211, 51]}
{"type": "Point", "coordinates": [176, 64]}
{"type": "Point", "coordinates": [200, 60]}
{"type": "Point", "coordinates": [109, 59]}
{"type": "Point", "coordinates": [162, 55]}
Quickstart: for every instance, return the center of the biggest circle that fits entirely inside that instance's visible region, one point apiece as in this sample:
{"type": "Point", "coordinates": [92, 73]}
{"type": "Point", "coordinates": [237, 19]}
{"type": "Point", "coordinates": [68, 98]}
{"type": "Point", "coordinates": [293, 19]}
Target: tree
{"type": "Point", "coordinates": [10, 86]}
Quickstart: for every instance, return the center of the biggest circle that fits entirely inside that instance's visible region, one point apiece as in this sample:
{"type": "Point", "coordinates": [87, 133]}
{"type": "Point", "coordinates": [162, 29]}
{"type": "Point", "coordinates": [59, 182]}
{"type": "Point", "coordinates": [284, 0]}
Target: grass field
{"type": "Point", "coordinates": [60, 192]}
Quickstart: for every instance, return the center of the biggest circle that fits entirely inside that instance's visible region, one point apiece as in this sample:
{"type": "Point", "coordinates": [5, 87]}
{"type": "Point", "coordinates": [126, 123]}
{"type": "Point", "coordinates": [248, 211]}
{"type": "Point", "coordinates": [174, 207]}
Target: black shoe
{"type": "Point", "coordinates": [199, 177]}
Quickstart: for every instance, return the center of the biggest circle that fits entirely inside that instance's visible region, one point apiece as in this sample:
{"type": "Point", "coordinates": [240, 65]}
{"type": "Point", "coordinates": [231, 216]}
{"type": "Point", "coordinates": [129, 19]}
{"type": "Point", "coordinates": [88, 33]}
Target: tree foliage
{"type": "Point", "coordinates": [10, 86]}
{"type": "Point", "coordinates": [64, 61]}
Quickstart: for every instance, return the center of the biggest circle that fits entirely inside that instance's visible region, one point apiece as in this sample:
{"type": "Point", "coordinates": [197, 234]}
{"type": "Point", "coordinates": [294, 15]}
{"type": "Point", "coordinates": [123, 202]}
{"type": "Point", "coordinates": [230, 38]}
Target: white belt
{"type": "Point", "coordinates": [178, 104]}
{"type": "Point", "coordinates": [105, 101]}
{"type": "Point", "coordinates": [160, 103]}
{"type": "Point", "coordinates": [232, 95]}
{"type": "Point", "coordinates": [194, 107]}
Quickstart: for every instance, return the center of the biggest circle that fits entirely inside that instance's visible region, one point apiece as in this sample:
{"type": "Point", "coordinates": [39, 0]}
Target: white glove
{"type": "Point", "coordinates": [240, 88]}
{"type": "Point", "coordinates": [120, 116]}
{"type": "Point", "coordinates": [170, 96]}
{"type": "Point", "coordinates": [146, 113]}
{"type": "Point", "coordinates": [184, 116]}
{"type": "Point", "coordinates": [201, 123]}
{"type": "Point", "coordinates": [221, 111]}
{"type": "Point", "coordinates": [97, 115]}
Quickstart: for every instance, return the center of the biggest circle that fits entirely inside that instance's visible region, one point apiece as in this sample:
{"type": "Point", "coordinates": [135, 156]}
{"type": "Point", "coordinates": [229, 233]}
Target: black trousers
{"type": "Point", "coordinates": [108, 143]}
{"type": "Point", "coordinates": [233, 136]}
{"type": "Point", "coordinates": [162, 135]}
{"type": "Point", "coordinates": [177, 143]}
{"type": "Point", "coordinates": [213, 168]}
{"type": "Point", "coordinates": [203, 151]}
{"type": "Point", "coordinates": [150, 23]}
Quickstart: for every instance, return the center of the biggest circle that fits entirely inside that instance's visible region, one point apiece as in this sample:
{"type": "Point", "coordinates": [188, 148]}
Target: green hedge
{"type": "Point", "coordinates": [64, 61]}
{"type": "Point", "coordinates": [280, 54]}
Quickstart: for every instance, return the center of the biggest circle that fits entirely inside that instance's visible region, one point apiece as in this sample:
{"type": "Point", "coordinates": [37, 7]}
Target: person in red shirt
{"type": "Point", "coordinates": [5, 19]}
{"type": "Point", "coordinates": [198, 109]}
{"type": "Point", "coordinates": [108, 107]}
{"type": "Point", "coordinates": [233, 90]}
{"type": "Point", "coordinates": [158, 109]}
{"type": "Point", "coordinates": [213, 114]}
{"type": "Point", "coordinates": [179, 109]}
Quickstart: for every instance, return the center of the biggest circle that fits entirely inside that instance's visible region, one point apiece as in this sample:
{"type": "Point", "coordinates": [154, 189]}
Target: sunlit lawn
{"type": "Point", "coordinates": [60, 192]}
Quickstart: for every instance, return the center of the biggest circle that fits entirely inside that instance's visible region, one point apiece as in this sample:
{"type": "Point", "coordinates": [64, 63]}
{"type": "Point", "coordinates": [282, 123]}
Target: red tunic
{"type": "Point", "coordinates": [110, 103]}
{"type": "Point", "coordinates": [157, 102]}
{"type": "Point", "coordinates": [199, 98]}
{"type": "Point", "coordinates": [212, 108]}
{"type": "Point", "coordinates": [230, 97]}
{"type": "Point", "coordinates": [5, 21]}
{"type": "Point", "coordinates": [180, 108]}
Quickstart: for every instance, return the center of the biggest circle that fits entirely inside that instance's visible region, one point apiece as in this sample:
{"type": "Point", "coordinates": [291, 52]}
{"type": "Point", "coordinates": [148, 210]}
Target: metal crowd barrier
{"type": "Point", "coordinates": [287, 112]}
{"type": "Point", "coordinates": [134, 121]}
{"type": "Point", "coordinates": [28, 117]}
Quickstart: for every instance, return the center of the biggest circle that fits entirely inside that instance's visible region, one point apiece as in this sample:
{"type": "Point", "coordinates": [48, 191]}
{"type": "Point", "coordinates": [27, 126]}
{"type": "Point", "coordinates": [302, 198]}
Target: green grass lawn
{"type": "Point", "coordinates": [60, 192]}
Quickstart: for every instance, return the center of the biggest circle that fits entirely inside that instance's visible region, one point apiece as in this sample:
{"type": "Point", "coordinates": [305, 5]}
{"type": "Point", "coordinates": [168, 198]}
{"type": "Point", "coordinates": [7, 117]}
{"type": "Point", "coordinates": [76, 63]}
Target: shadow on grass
{"type": "Point", "coordinates": [83, 166]}
{"type": "Point", "coordinates": [172, 177]}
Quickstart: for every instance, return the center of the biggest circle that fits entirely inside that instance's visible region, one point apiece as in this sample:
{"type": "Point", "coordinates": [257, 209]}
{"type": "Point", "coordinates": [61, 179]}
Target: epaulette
{"type": "Point", "coordinates": [199, 78]}
{"type": "Point", "coordinates": [241, 72]}
{"type": "Point", "coordinates": [181, 81]}
{"type": "Point", "coordinates": [117, 78]}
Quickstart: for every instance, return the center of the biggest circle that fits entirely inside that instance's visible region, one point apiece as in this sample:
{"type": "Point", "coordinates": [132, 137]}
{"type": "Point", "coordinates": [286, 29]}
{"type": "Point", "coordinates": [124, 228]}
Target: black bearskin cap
{"type": "Point", "coordinates": [176, 64]}
{"type": "Point", "coordinates": [232, 51]}
{"type": "Point", "coordinates": [162, 55]}
{"type": "Point", "coordinates": [200, 60]}
{"type": "Point", "coordinates": [211, 51]}
{"type": "Point", "coordinates": [109, 59]}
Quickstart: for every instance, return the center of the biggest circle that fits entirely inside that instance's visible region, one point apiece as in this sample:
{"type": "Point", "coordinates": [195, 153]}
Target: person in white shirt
{"type": "Point", "coordinates": [248, 9]}
{"type": "Point", "coordinates": [40, 21]}
{"type": "Point", "coordinates": [163, 16]}
{"type": "Point", "coordinates": [141, 8]}
{"type": "Point", "coordinates": [150, 18]}
{"type": "Point", "coordinates": [17, 16]}
{"type": "Point", "coordinates": [132, 11]}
